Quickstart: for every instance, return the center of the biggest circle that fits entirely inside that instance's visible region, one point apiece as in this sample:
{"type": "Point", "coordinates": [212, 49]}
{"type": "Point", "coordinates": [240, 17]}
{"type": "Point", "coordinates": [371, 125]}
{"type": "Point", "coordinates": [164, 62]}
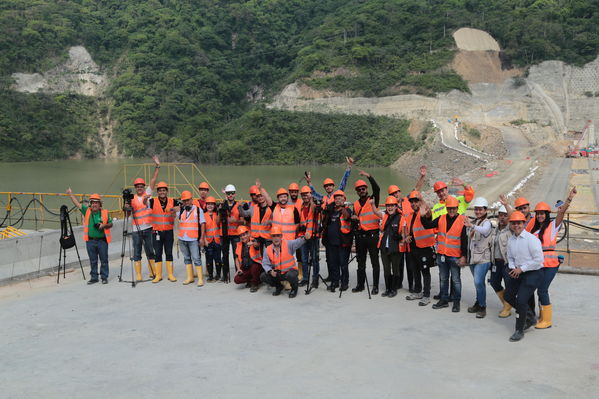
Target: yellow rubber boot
{"type": "Point", "coordinates": [507, 308]}
{"type": "Point", "coordinates": [546, 317]}
{"type": "Point", "coordinates": [158, 272]}
{"type": "Point", "coordinates": [190, 278]}
{"type": "Point", "coordinates": [200, 276]}
{"type": "Point", "coordinates": [151, 268]}
{"type": "Point", "coordinates": [169, 270]}
{"type": "Point", "coordinates": [137, 265]}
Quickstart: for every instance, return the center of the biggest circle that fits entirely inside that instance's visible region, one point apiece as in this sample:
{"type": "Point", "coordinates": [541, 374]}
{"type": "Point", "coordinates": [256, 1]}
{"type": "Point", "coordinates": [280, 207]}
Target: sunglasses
{"type": "Point", "coordinates": [230, 193]}
{"type": "Point", "coordinates": [362, 188]}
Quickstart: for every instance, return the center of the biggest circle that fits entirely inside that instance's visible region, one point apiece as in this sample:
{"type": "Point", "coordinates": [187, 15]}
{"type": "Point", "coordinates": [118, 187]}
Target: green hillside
{"type": "Point", "coordinates": [181, 70]}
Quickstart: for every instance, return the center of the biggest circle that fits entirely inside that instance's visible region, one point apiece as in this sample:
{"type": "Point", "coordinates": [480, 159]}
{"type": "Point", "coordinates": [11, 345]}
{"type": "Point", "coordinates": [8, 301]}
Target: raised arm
{"type": "Point", "coordinates": [421, 179]}
{"type": "Point", "coordinates": [156, 170]}
{"type": "Point", "coordinates": [73, 198]}
{"type": "Point", "coordinates": [508, 207]}
{"type": "Point", "coordinates": [264, 192]}
{"type": "Point", "coordinates": [561, 211]}
{"type": "Point", "coordinates": [343, 183]}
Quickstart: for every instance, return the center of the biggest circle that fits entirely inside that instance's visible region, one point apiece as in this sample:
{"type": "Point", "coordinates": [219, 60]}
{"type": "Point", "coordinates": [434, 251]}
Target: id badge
{"type": "Point", "coordinates": [442, 258]}
{"type": "Point", "coordinates": [494, 269]}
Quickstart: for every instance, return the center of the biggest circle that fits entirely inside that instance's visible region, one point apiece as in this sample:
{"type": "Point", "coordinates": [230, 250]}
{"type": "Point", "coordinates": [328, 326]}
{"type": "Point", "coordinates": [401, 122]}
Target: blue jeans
{"type": "Point", "coordinates": [191, 251]}
{"type": "Point", "coordinates": [145, 237]}
{"type": "Point", "coordinates": [497, 275]}
{"type": "Point", "coordinates": [449, 265]}
{"type": "Point", "coordinates": [310, 251]}
{"type": "Point", "coordinates": [479, 272]}
{"type": "Point", "coordinates": [97, 249]}
{"type": "Point", "coordinates": [548, 273]}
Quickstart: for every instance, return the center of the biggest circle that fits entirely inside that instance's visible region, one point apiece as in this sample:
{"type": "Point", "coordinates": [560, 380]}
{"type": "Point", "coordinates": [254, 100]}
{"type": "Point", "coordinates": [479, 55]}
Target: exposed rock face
{"type": "Point", "coordinates": [79, 74]}
{"type": "Point", "coordinates": [474, 40]}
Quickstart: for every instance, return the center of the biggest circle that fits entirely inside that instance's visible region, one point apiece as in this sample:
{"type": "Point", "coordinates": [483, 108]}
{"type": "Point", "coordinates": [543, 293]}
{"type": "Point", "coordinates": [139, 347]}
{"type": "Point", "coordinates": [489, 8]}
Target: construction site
{"type": "Point", "coordinates": [517, 133]}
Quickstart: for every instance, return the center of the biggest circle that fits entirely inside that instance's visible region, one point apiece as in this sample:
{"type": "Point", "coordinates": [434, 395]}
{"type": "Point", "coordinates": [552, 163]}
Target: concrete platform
{"type": "Point", "coordinates": [220, 341]}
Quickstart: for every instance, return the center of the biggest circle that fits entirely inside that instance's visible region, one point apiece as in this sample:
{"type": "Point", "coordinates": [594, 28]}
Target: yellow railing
{"type": "Point", "coordinates": [10, 232]}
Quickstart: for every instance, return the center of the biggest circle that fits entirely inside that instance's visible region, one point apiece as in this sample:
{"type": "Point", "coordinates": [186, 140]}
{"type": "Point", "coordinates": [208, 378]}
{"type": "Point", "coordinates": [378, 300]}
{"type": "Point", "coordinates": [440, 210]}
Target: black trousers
{"type": "Point", "coordinates": [518, 292]}
{"type": "Point", "coordinates": [163, 240]}
{"type": "Point", "coordinates": [367, 244]}
{"type": "Point", "coordinates": [290, 276]}
{"type": "Point", "coordinates": [421, 261]}
{"type": "Point", "coordinates": [226, 242]}
{"type": "Point", "coordinates": [405, 260]}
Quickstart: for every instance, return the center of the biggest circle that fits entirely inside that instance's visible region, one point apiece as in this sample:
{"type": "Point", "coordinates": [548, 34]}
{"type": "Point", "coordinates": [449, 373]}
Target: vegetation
{"type": "Point", "coordinates": [474, 132]}
{"type": "Point", "coordinates": [181, 70]}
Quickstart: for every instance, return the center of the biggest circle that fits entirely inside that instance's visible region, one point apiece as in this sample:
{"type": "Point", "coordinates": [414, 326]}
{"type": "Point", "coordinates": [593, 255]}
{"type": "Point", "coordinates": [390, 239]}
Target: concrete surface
{"type": "Point", "coordinates": [220, 341]}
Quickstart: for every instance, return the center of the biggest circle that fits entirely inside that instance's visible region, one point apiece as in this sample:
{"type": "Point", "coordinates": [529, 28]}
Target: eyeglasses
{"type": "Point", "coordinates": [230, 193]}
{"type": "Point", "coordinates": [362, 188]}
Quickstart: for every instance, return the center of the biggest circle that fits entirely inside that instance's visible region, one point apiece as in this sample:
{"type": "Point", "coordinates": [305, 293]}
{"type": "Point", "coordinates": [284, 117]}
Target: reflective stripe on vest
{"type": "Point", "coordinates": [285, 220]}
{"type": "Point", "coordinates": [213, 230]}
{"type": "Point", "coordinates": [162, 219]}
{"type": "Point", "coordinates": [285, 261]}
{"type": "Point", "coordinates": [448, 242]}
{"type": "Point", "coordinates": [549, 245]}
{"type": "Point", "coordinates": [104, 216]}
{"type": "Point", "coordinates": [423, 237]}
{"type": "Point", "coordinates": [141, 213]}
{"type": "Point", "coordinates": [307, 221]}
{"type": "Point", "coordinates": [368, 219]}
{"type": "Point", "coordinates": [188, 223]}
{"type": "Point", "coordinates": [232, 227]}
{"type": "Point", "coordinates": [261, 228]}
{"type": "Point", "coordinates": [382, 228]}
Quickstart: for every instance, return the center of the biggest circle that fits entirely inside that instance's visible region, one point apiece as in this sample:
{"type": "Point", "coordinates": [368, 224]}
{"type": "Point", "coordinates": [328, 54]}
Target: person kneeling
{"type": "Point", "coordinates": [248, 260]}
{"type": "Point", "coordinates": [278, 261]}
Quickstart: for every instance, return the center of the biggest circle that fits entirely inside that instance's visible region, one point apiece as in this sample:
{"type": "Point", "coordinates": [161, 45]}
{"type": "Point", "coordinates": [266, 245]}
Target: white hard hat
{"type": "Point", "coordinates": [229, 188]}
{"type": "Point", "coordinates": [480, 202]}
{"type": "Point", "coordinates": [502, 209]}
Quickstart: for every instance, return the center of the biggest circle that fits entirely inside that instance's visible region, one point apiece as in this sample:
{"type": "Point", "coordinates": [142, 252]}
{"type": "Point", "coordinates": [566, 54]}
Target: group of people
{"type": "Point", "coordinates": [277, 242]}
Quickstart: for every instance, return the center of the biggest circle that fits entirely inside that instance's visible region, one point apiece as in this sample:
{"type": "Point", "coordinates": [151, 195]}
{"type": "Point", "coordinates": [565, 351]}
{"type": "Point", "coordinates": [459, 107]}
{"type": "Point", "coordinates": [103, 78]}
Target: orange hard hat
{"type": "Point", "coordinates": [242, 229]}
{"type": "Point", "coordinates": [360, 183]}
{"type": "Point", "coordinates": [338, 193]}
{"type": "Point", "coordinates": [282, 191]}
{"type": "Point", "coordinates": [439, 185]}
{"type": "Point", "coordinates": [392, 189]}
{"type": "Point", "coordinates": [414, 195]}
{"type": "Point", "coordinates": [162, 185]}
{"type": "Point", "coordinates": [185, 195]}
{"type": "Point", "coordinates": [139, 180]}
{"type": "Point", "coordinates": [95, 197]}
{"type": "Point", "coordinates": [542, 206]}
{"type": "Point", "coordinates": [210, 200]}
{"type": "Point", "coordinates": [328, 181]}
{"type": "Point", "coordinates": [517, 216]}
{"type": "Point", "coordinates": [254, 190]}
{"type": "Point", "coordinates": [276, 231]}
{"type": "Point", "coordinates": [305, 190]}
{"type": "Point", "coordinates": [391, 200]}
{"type": "Point", "coordinates": [451, 202]}
{"type": "Point", "coordinates": [204, 185]}
{"type": "Point", "coordinates": [520, 201]}
{"type": "Point", "coordinates": [293, 187]}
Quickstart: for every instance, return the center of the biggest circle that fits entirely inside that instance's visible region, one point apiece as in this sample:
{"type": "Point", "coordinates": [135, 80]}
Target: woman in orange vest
{"type": "Point", "coordinates": [212, 241]}
{"type": "Point", "coordinates": [163, 222]}
{"type": "Point", "coordinates": [192, 231]}
{"type": "Point", "coordinates": [546, 231]}
{"type": "Point", "coordinates": [420, 242]}
{"type": "Point", "coordinates": [388, 244]}
{"type": "Point", "coordinates": [96, 233]}
{"type": "Point", "coordinates": [452, 247]}
{"type": "Point", "coordinates": [248, 260]}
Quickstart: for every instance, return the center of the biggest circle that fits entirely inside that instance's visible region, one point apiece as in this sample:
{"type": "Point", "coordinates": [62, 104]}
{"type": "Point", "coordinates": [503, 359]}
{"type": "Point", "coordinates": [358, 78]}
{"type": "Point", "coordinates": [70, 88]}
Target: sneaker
{"type": "Point", "coordinates": [392, 293]}
{"type": "Point", "coordinates": [94, 281]}
{"type": "Point", "coordinates": [456, 306]}
{"type": "Point", "coordinates": [441, 304]}
{"type": "Point", "coordinates": [424, 301]}
{"type": "Point", "coordinates": [414, 296]}
{"type": "Point", "coordinates": [104, 281]}
{"type": "Point", "coordinates": [482, 312]}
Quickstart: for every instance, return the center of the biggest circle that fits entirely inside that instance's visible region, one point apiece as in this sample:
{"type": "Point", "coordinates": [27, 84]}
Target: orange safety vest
{"type": "Point", "coordinates": [284, 261]}
{"type": "Point", "coordinates": [255, 254]}
{"type": "Point", "coordinates": [232, 227]}
{"type": "Point", "coordinates": [406, 207]}
{"type": "Point", "coordinates": [104, 215]}
{"type": "Point", "coordinates": [162, 220]}
{"type": "Point", "coordinates": [549, 245]}
{"type": "Point", "coordinates": [327, 199]}
{"type": "Point", "coordinates": [423, 238]}
{"type": "Point", "coordinates": [213, 229]}
{"type": "Point", "coordinates": [189, 223]}
{"type": "Point", "coordinates": [448, 242]}
{"type": "Point", "coordinates": [285, 220]}
{"type": "Point", "coordinates": [307, 221]}
{"type": "Point", "coordinates": [141, 213]}
{"type": "Point", "coordinates": [368, 219]}
{"type": "Point", "coordinates": [200, 203]}
{"type": "Point", "coordinates": [261, 228]}
{"type": "Point", "coordinates": [382, 228]}
{"type": "Point", "coordinates": [530, 224]}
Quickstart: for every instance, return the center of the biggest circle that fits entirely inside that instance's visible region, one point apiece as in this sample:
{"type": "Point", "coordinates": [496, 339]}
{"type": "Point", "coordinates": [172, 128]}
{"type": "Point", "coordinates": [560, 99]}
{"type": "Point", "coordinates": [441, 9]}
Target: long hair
{"type": "Point", "coordinates": [541, 227]}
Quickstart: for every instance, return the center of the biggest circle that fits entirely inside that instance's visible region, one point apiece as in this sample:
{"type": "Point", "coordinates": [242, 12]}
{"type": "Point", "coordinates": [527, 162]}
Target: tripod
{"type": "Point", "coordinates": [126, 234]}
{"type": "Point", "coordinates": [67, 240]}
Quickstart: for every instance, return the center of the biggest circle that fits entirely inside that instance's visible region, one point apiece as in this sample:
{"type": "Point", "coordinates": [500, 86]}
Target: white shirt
{"type": "Point", "coordinates": [524, 251]}
{"type": "Point", "coordinates": [554, 229]}
{"type": "Point", "coordinates": [201, 217]}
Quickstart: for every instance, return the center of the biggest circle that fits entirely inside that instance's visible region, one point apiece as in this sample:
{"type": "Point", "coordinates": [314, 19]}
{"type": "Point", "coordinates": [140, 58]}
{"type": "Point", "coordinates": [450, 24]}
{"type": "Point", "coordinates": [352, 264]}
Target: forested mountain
{"type": "Point", "coordinates": [182, 72]}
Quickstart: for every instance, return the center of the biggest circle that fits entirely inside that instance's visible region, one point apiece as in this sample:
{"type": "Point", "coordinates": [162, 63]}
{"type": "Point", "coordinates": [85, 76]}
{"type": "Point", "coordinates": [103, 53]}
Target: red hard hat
{"type": "Point", "coordinates": [242, 229]}
{"type": "Point", "coordinates": [414, 195]}
{"type": "Point", "coordinates": [338, 193]}
{"type": "Point", "coordinates": [276, 230]}
{"type": "Point", "coordinates": [439, 185]}
{"type": "Point", "coordinates": [542, 206]}
{"type": "Point", "coordinates": [328, 181]}
{"type": "Point", "coordinates": [520, 201]}
{"type": "Point", "coordinates": [360, 183]}
{"type": "Point", "coordinates": [210, 200]}
{"type": "Point", "coordinates": [451, 202]}
{"type": "Point", "coordinates": [162, 185]}
{"type": "Point", "coordinates": [391, 200]}
{"type": "Point", "coordinates": [517, 216]}
{"type": "Point", "coordinates": [204, 185]}
{"type": "Point", "coordinates": [185, 195]}
{"type": "Point", "coordinates": [293, 187]}
{"type": "Point", "coordinates": [95, 197]}
{"type": "Point", "coordinates": [254, 190]}
{"type": "Point", "coordinates": [392, 189]}
{"type": "Point", "coordinates": [139, 180]}
{"type": "Point", "coordinates": [282, 191]}
{"type": "Point", "coordinates": [305, 190]}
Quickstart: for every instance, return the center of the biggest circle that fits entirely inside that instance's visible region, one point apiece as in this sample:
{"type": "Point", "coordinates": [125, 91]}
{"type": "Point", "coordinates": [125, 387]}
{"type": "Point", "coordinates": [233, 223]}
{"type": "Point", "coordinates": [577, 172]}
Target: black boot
{"type": "Point", "coordinates": [387, 286]}
{"type": "Point", "coordinates": [278, 289]}
{"type": "Point", "coordinates": [474, 308]}
{"type": "Point", "coordinates": [210, 272]}
{"type": "Point", "coordinates": [361, 279]}
{"type": "Point", "coordinates": [315, 282]}
{"type": "Point", "coordinates": [517, 336]}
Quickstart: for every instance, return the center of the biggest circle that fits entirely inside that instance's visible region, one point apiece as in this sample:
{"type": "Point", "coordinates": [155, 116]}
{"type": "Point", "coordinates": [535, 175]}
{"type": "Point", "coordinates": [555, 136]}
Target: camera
{"type": "Point", "coordinates": [97, 226]}
{"type": "Point", "coordinates": [127, 196]}
{"type": "Point", "coordinates": [222, 209]}
{"type": "Point", "coordinates": [302, 228]}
